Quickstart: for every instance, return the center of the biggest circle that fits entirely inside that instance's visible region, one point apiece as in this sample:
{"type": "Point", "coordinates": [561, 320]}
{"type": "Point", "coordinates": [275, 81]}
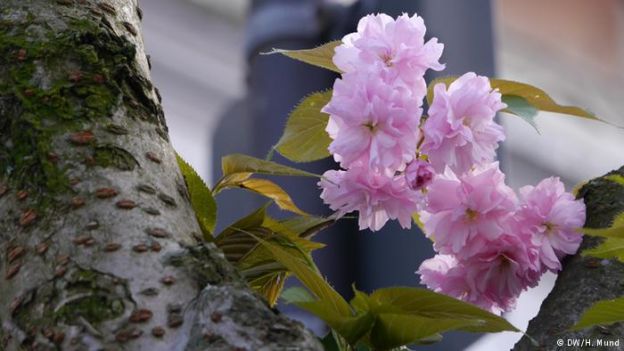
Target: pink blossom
{"type": "Point", "coordinates": [372, 122]}
{"type": "Point", "coordinates": [460, 131]}
{"type": "Point", "coordinates": [376, 196]}
{"type": "Point", "coordinates": [396, 48]}
{"type": "Point", "coordinates": [464, 213]}
{"type": "Point", "coordinates": [492, 279]}
{"type": "Point", "coordinates": [419, 174]}
{"type": "Point", "coordinates": [552, 217]}
{"type": "Point", "coordinates": [444, 274]}
{"type": "Point", "coordinates": [434, 273]}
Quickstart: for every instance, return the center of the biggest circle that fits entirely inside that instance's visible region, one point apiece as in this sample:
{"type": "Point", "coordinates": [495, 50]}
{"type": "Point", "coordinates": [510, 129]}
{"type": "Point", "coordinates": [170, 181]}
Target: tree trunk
{"type": "Point", "coordinates": [99, 246]}
{"type": "Point", "coordinates": [583, 281]}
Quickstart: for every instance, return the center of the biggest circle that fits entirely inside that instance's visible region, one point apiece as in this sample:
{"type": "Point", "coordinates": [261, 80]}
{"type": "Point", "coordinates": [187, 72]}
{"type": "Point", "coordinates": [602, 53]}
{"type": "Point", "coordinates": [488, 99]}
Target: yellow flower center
{"type": "Point", "coordinates": [471, 214]}
{"type": "Point", "coordinates": [466, 121]}
{"type": "Point", "coordinates": [550, 228]}
{"type": "Point", "coordinates": [370, 126]}
{"type": "Point", "coordinates": [387, 59]}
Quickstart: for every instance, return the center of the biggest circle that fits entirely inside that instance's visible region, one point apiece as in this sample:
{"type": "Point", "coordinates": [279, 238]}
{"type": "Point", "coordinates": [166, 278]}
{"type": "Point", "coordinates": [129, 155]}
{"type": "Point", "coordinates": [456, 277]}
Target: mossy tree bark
{"type": "Point", "coordinates": [99, 245]}
{"type": "Point", "coordinates": [583, 281]}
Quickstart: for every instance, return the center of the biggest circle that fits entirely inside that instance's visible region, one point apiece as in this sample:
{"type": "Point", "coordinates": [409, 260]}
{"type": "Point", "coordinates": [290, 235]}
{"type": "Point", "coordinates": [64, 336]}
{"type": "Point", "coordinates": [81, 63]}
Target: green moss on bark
{"type": "Point", "coordinates": [54, 84]}
{"type": "Point", "coordinates": [83, 295]}
{"type": "Point", "coordinates": [57, 83]}
{"type": "Point", "coordinates": [111, 156]}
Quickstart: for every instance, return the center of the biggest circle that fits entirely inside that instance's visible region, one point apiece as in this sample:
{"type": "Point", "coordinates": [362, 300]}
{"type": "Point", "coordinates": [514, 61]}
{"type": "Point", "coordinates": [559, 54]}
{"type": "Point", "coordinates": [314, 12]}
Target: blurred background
{"type": "Point", "coordinates": [221, 97]}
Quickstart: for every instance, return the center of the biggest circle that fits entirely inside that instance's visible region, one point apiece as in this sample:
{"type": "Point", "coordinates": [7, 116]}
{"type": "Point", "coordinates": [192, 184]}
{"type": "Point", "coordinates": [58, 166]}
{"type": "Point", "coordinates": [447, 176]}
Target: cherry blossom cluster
{"type": "Point", "coordinates": [491, 243]}
{"type": "Point", "coordinates": [375, 118]}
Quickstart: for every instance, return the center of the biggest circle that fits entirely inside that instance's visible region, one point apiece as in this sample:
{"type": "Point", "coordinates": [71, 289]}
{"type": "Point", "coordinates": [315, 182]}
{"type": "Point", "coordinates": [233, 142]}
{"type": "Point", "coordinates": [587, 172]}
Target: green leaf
{"type": "Point", "coordinates": [329, 298]}
{"type": "Point", "coordinates": [616, 230]}
{"type": "Point", "coordinates": [363, 347]}
{"type": "Point", "coordinates": [320, 56]}
{"type": "Point", "coordinates": [239, 243]}
{"type": "Point", "coordinates": [270, 286]}
{"type": "Point", "coordinates": [351, 328]}
{"type": "Point", "coordinates": [271, 190]}
{"type": "Point", "coordinates": [603, 312]}
{"type": "Point", "coordinates": [395, 330]}
{"type": "Point", "coordinates": [249, 222]}
{"type": "Point", "coordinates": [296, 294]}
{"type": "Point", "coordinates": [613, 245]}
{"type": "Point", "coordinates": [239, 163]}
{"type": "Point", "coordinates": [426, 303]}
{"type": "Point", "coordinates": [413, 315]}
{"type": "Point", "coordinates": [306, 226]}
{"type": "Point", "coordinates": [330, 343]}
{"type": "Point", "coordinates": [520, 107]}
{"type": "Point", "coordinates": [238, 167]}
{"type": "Point", "coordinates": [301, 240]}
{"type": "Point", "coordinates": [538, 98]}
{"type": "Point", "coordinates": [202, 201]}
{"type": "Point", "coordinates": [360, 301]}
{"type": "Point", "coordinates": [610, 248]}
{"type": "Point", "coordinates": [615, 178]}
{"type": "Point", "coordinates": [531, 97]}
{"type": "Point", "coordinates": [304, 138]}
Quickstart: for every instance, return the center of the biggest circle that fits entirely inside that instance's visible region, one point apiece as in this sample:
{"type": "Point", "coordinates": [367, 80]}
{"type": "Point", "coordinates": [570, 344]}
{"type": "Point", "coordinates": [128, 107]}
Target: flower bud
{"type": "Point", "coordinates": [419, 174]}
